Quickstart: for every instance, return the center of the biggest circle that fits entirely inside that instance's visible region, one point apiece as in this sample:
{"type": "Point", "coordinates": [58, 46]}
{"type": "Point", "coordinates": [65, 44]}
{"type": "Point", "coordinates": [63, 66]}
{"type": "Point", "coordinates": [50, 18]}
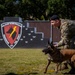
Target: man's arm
{"type": "Point", "coordinates": [64, 35]}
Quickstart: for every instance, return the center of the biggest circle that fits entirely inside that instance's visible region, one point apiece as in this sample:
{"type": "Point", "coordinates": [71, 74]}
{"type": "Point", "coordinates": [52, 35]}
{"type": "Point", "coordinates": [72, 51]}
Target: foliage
{"type": "Point", "coordinates": [64, 8]}
{"type": "Point", "coordinates": [37, 9]}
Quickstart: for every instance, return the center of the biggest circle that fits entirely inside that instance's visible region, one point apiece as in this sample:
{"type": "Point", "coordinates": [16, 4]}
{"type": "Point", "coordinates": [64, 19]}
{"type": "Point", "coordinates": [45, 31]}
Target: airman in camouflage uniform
{"type": "Point", "coordinates": [67, 28]}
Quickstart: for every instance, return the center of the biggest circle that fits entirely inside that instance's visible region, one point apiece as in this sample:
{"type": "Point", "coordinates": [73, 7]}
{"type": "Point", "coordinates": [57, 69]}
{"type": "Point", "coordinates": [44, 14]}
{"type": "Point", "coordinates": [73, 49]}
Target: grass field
{"type": "Point", "coordinates": [24, 62]}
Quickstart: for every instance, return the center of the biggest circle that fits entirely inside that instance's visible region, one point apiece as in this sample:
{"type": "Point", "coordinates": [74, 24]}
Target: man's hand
{"type": "Point", "coordinates": [55, 45]}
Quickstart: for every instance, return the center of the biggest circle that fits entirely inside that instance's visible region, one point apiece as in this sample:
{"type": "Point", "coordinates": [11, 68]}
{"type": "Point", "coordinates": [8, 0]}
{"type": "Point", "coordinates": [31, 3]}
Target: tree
{"type": "Point", "coordinates": [37, 9]}
{"type": "Point", "coordinates": [2, 9]}
{"type": "Point", "coordinates": [62, 7]}
{"type": "Point", "coordinates": [69, 7]}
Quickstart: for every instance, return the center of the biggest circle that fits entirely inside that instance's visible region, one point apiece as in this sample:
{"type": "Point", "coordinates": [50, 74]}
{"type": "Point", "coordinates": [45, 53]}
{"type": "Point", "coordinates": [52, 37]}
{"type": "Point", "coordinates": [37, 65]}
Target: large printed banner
{"type": "Point", "coordinates": [11, 32]}
{"type": "Point", "coordinates": [16, 33]}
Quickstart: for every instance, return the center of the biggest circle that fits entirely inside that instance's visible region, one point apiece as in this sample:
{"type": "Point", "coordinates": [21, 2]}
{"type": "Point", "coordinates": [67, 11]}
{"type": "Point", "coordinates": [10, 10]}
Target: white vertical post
{"type": "Point", "coordinates": [27, 24]}
{"type": "Point", "coordinates": [51, 39]}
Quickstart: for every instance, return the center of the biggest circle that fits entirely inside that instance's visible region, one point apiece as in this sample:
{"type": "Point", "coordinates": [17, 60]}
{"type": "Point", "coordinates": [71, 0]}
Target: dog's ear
{"type": "Point", "coordinates": [48, 42]}
{"type": "Point", "coordinates": [51, 44]}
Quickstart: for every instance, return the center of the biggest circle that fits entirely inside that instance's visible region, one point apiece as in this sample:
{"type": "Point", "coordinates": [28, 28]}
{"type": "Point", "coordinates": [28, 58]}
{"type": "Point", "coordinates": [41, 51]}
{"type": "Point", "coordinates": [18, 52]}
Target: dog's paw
{"type": "Point", "coordinates": [44, 72]}
{"type": "Point", "coordinates": [56, 72]}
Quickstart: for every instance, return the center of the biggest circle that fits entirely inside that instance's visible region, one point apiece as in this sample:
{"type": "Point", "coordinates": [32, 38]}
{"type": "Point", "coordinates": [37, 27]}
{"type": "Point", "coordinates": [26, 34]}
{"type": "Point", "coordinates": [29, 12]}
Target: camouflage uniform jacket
{"type": "Point", "coordinates": [67, 29]}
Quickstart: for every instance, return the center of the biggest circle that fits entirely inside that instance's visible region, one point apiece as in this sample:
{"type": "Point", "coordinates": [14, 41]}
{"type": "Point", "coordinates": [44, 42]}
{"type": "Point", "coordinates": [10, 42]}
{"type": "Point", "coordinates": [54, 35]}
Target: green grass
{"type": "Point", "coordinates": [24, 62]}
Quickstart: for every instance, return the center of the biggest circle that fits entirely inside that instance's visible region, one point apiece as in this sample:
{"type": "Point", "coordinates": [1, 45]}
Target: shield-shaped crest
{"type": "Point", "coordinates": [11, 32]}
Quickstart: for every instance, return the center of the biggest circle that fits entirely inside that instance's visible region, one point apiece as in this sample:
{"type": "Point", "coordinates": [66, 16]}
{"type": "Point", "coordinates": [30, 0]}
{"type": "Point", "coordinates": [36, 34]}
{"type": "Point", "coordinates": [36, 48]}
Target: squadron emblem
{"type": "Point", "coordinates": [11, 32]}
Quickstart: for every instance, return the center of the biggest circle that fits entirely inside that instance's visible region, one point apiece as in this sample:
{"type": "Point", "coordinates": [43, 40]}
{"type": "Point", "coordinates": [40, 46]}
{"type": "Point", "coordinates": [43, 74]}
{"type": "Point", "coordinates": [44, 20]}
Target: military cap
{"type": "Point", "coordinates": [54, 17]}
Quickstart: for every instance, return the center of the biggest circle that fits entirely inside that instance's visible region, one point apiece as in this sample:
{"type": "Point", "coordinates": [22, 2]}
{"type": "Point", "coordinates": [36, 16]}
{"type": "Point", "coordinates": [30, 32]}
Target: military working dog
{"type": "Point", "coordinates": [58, 56]}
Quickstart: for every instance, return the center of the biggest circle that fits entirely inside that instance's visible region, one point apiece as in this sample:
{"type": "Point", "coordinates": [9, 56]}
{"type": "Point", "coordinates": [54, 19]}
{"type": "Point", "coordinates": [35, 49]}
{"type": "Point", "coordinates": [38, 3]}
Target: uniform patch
{"type": "Point", "coordinates": [11, 32]}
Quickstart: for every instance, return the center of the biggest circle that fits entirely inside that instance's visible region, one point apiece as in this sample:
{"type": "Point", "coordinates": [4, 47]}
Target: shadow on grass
{"type": "Point", "coordinates": [71, 72]}
{"type": "Point", "coordinates": [68, 73]}
{"type": "Point", "coordinates": [31, 73]}
{"type": "Point", "coordinates": [35, 73]}
{"type": "Point", "coordinates": [11, 74]}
